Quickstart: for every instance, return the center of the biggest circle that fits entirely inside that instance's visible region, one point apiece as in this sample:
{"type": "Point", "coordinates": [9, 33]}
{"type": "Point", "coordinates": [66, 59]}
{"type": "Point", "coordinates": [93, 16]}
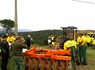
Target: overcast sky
{"type": "Point", "coordinates": [50, 14]}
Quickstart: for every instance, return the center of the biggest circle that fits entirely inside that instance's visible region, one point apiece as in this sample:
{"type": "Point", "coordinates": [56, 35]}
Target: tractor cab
{"type": "Point", "coordinates": [69, 32]}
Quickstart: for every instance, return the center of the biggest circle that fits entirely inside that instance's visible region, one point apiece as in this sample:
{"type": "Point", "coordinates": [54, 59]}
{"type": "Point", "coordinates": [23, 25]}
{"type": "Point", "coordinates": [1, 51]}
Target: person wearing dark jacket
{"type": "Point", "coordinates": [4, 52]}
{"type": "Point", "coordinates": [28, 41]}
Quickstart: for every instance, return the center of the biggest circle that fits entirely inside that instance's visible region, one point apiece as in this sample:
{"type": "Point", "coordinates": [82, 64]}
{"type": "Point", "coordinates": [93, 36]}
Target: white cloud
{"type": "Point", "coordinates": [50, 14]}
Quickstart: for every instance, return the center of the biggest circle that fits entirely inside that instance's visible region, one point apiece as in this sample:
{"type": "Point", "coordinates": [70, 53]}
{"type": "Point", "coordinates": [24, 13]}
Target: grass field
{"type": "Point", "coordinates": [90, 60]}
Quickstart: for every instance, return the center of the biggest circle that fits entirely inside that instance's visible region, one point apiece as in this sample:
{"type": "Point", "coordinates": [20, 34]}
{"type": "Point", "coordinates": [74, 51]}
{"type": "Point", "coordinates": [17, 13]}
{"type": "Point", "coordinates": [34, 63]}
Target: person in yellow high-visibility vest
{"type": "Point", "coordinates": [68, 44]}
{"type": "Point", "coordinates": [51, 41]}
{"type": "Point", "coordinates": [9, 40]}
{"type": "Point", "coordinates": [82, 40]}
{"type": "Point", "coordinates": [93, 42]}
{"type": "Point", "coordinates": [89, 40]}
{"type": "Point", "coordinates": [71, 44]}
{"type": "Point", "coordinates": [13, 37]}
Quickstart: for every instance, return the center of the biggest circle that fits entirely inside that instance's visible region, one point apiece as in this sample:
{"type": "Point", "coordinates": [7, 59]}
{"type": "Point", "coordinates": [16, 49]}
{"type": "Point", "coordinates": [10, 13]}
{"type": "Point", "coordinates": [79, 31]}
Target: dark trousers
{"type": "Point", "coordinates": [28, 44]}
{"type": "Point", "coordinates": [4, 61]}
{"type": "Point", "coordinates": [77, 56]}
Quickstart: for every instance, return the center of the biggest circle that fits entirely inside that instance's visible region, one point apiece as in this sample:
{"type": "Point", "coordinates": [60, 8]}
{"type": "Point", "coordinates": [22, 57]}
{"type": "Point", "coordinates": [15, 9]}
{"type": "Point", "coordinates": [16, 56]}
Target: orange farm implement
{"type": "Point", "coordinates": [47, 59]}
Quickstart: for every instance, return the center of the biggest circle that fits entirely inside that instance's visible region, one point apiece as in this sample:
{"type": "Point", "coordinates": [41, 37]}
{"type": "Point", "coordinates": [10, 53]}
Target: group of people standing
{"type": "Point", "coordinates": [11, 47]}
{"type": "Point", "coordinates": [82, 45]}
{"type": "Point", "coordinates": [15, 44]}
{"type": "Point", "coordinates": [78, 47]}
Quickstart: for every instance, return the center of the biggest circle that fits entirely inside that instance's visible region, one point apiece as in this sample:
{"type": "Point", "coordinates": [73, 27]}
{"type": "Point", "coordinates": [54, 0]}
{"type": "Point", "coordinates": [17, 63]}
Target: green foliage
{"type": "Point", "coordinates": [8, 22]}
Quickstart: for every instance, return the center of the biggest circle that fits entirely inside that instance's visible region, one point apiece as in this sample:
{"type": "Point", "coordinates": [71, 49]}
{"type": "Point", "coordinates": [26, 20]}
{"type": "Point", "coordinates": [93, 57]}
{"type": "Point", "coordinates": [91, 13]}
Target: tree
{"type": "Point", "coordinates": [7, 24]}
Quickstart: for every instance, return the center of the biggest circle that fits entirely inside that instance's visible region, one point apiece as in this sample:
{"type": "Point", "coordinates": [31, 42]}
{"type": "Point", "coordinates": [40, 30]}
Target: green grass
{"type": "Point", "coordinates": [90, 52]}
{"type": "Point", "coordinates": [90, 60]}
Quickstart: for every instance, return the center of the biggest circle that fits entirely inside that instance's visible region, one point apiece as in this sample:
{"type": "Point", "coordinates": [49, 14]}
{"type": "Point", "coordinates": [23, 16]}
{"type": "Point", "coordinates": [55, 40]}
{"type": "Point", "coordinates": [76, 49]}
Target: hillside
{"type": "Point", "coordinates": [41, 36]}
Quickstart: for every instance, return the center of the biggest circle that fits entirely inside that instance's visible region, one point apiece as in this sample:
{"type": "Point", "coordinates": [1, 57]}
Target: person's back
{"type": "Point", "coordinates": [17, 59]}
{"type": "Point", "coordinates": [17, 48]}
{"type": "Point", "coordinates": [4, 47]}
{"type": "Point", "coordinates": [13, 38]}
{"type": "Point", "coordinates": [70, 44]}
{"type": "Point", "coordinates": [4, 52]}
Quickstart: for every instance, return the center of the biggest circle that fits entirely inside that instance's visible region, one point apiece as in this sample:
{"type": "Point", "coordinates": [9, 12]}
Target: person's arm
{"type": "Point", "coordinates": [23, 45]}
{"type": "Point", "coordinates": [65, 46]}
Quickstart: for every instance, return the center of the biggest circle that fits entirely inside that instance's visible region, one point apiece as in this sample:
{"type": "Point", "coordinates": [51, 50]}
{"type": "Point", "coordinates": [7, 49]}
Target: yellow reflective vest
{"type": "Point", "coordinates": [93, 42]}
{"type": "Point", "coordinates": [84, 40]}
{"type": "Point", "coordinates": [70, 43]}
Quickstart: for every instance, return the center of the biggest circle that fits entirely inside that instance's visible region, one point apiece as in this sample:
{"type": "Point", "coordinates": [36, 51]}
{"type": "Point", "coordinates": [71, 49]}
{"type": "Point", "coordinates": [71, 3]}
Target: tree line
{"type": "Point", "coordinates": [40, 37]}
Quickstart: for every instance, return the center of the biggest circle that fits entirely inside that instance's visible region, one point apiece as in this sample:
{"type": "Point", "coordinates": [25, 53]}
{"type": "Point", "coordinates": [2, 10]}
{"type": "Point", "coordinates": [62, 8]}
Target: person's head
{"type": "Point", "coordinates": [19, 39]}
{"type": "Point", "coordinates": [67, 39]}
{"type": "Point", "coordinates": [4, 37]}
{"type": "Point", "coordinates": [7, 34]}
{"type": "Point", "coordinates": [29, 36]}
{"type": "Point", "coordinates": [51, 34]}
{"type": "Point", "coordinates": [14, 34]}
{"type": "Point", "coordinates": [81, 35]}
